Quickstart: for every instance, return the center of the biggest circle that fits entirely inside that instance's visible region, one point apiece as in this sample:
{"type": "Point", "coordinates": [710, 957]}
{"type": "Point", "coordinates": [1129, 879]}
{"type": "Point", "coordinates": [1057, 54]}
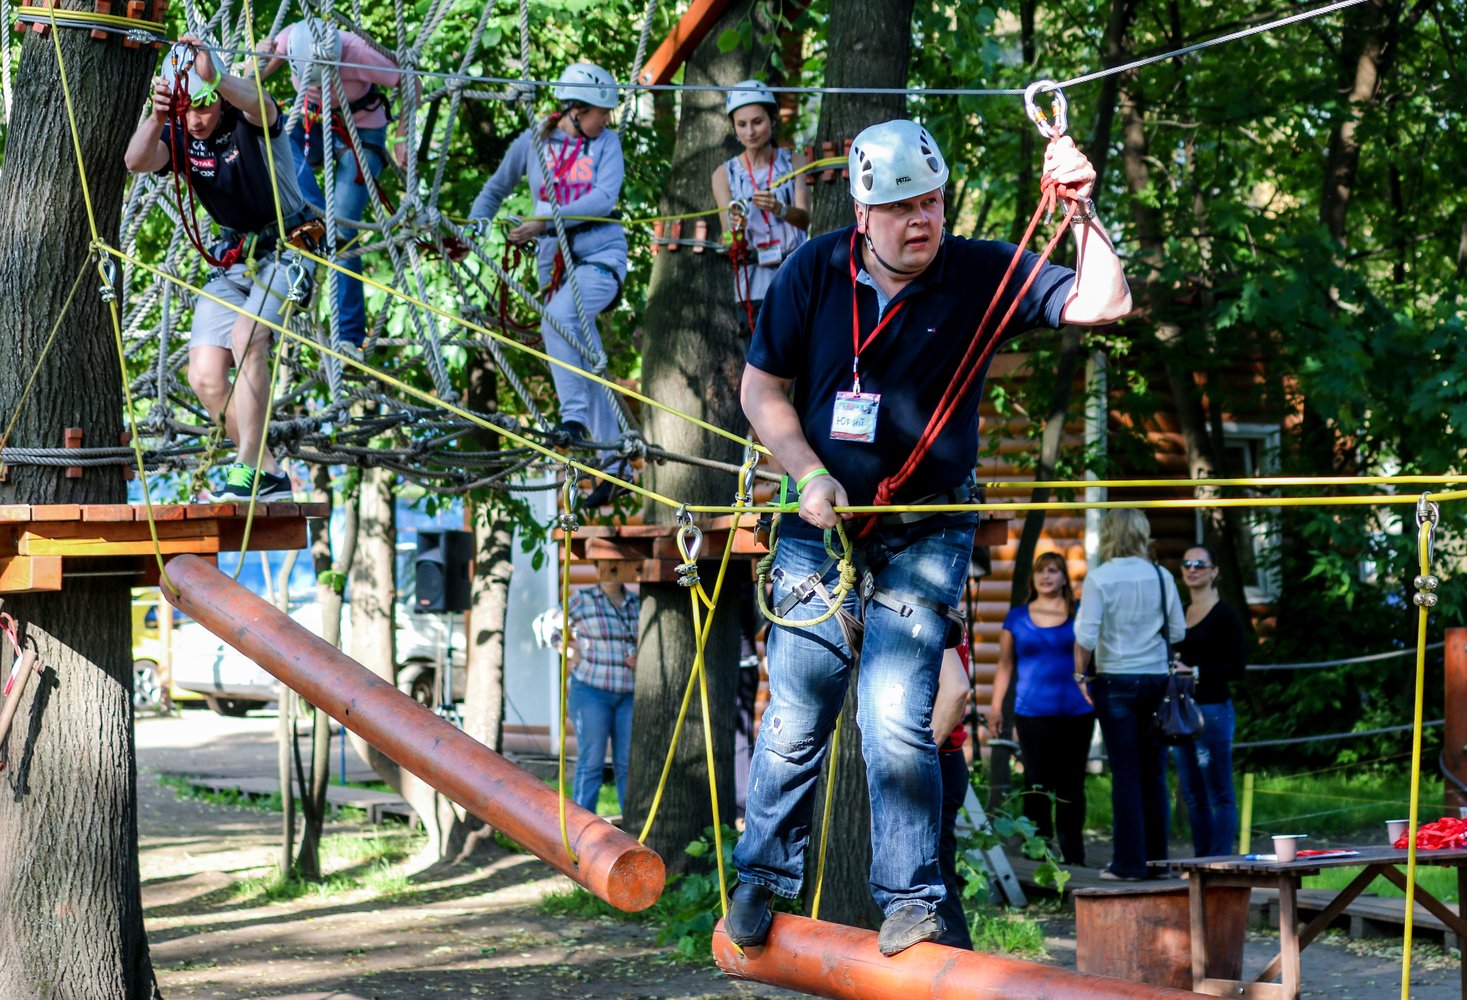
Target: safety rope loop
{"type": "Point", "coordinates": [847, 582]}
{"type": "Point", "coordinates": [1058, 121]}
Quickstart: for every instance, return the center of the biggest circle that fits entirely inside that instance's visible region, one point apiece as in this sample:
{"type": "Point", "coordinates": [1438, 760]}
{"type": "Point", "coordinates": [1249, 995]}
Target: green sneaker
{"type": "Point", "coordinates": [239, 480]}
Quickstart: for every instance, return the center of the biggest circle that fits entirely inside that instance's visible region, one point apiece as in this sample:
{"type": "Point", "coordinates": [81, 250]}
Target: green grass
{"type": "Point", "coordinates": [349, 864]}
{"type": "Point", "coordinates": [1440, 882]}
{"type": "Point", "coordinates": [273, 802]}
{"type": "Point", "coordinates": [1336, 807]}
{"type": "Point", "coordinates": [1006, 932]}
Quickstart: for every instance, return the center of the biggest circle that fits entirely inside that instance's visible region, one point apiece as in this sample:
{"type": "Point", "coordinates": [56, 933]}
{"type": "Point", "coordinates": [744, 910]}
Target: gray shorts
{"type": "Point", "coordinates": [261, 294]}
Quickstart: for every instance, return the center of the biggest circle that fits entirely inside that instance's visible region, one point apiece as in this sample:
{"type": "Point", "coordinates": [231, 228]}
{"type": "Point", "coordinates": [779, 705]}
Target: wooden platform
{"type": "Point", "coordinates": [36, 540]}
{"type": "Point", "coordinates": [655, 545]}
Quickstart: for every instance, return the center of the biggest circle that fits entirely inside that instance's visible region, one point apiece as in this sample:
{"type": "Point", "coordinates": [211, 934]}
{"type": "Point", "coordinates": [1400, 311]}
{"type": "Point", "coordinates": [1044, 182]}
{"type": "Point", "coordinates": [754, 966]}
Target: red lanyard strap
{"type": "Point", "coordinates": [857, 344]}
{"type": "Point", "coordinates": [768, 179]}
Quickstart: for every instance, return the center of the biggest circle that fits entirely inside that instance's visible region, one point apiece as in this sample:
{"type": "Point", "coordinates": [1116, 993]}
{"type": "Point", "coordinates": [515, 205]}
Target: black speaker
{"type": "Point", "coordinates": [442, 566]}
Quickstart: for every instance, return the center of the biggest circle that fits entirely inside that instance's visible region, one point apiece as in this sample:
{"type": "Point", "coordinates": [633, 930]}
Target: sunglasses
{"type": "Point", "coordinates": [1195, 564]}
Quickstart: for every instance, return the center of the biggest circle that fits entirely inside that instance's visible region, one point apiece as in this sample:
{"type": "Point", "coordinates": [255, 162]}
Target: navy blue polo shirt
{"type": "Point", "coordinates": [804, 333]}
{"type": "Point", "coordinates": [230, 172]}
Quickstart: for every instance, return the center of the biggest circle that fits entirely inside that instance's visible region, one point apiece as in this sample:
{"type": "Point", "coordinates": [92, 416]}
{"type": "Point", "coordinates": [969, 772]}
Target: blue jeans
{"type": "Point", "coordinates": [809, 671]}
{"type": "Point", "coordinates": [351, 200]}
{"type": "Point", "coordinates": [1141, 812]}
{"type": "Point", "coordinates": [600, 715]}
{"type": "Point", "coordinates": [581, 400]}
{"type": "Point", "coordinates": [1205, 774]}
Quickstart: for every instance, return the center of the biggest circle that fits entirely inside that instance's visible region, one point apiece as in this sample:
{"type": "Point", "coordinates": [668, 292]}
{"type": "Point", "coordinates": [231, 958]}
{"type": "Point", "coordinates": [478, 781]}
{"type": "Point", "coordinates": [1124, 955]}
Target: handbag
{"type": "Point", "coordinates": [1178, 719]}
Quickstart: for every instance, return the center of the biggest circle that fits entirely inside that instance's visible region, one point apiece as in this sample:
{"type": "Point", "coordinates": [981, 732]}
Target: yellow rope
{"type": "Point", "coordinates": [97, 247]}
{"type": "Point", "coordinates": [30, 383]}
{"type": "Point", "coordinates": [1423, 545]}
{"type": "Point", "coordinates": [846, 565]}
{"type": "Point", "coordinates": [403, 387]}
{"type": "Point", "coordinates": [1262, 482]}
{"type": "Point", "coordinates": [828, 161]}
{"type": "Point", "coordinates": [85, 18]}
{"type": "Point", "coordinates": [832, 756]}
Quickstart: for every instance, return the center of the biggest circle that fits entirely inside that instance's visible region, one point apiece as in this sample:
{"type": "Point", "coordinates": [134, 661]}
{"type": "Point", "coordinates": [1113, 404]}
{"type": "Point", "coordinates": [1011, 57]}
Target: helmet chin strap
{"type": "Point", "coordinates": [575, 119]}
{"type": "Point", "coordinates": [882, 260]}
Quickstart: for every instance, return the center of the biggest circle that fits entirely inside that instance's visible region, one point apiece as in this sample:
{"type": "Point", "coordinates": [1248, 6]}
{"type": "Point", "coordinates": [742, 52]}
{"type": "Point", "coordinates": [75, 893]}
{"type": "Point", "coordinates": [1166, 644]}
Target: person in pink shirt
{"type": "Point", "coordinates": [365, 74]}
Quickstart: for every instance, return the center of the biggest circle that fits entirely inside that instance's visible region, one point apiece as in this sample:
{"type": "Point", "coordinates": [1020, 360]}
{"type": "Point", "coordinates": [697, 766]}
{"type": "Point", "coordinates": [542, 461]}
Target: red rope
{"type": "Point", "coordinates": [980, 348]}
{"type": "Point", "coordinates": [738, 256]}
{"type": "Point", "coordinates": [183, 178]}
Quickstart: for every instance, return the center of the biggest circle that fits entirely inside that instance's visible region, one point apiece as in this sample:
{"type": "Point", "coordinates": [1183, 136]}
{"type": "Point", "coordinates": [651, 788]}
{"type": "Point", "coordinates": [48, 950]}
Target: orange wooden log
{"type": "Point", "coordinates": [611, 864]}
{"type": "Point", "coordinates": [135, 10]}
{"type": "Point", "coordinates": [690, 29]}
{"type": "Point", "coordinates": [675, 236]}
{"type": "Point", "coordinates": [103, 7]}
{"type": "Point", "coordinates": [72, 438]}
{"type": "Point", "coordinates": [658, 228]}
{"type": "Point", "coordinates": [832, 960]}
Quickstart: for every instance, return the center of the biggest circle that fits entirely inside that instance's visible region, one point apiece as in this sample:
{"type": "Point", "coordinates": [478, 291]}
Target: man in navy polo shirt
{"type": "Point", "coordinates": [219, 154]}
{"type": "Point", "coordinates": [860, 335]}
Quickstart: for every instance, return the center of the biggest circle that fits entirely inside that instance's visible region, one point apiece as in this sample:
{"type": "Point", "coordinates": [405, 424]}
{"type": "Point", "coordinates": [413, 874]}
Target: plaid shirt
{"type": "Point", "coordinates": [605, 635]}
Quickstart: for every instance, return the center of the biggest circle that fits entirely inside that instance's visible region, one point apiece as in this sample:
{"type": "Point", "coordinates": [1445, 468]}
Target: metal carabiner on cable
{"type": "Point", "coordinates": [1058, 121]}
{"type": "Point", "coordinates": [1428, 515]}
{"type": "Point", "coordinates": [108, 289]}
{"type": "Point", "coordinates": [745, 494]}
{"type": "Point", "coordinates": [295, 274]}
{"type": "Point", "coordinates": [566, 520]}
{"type": "Point", "coordinates": [689, 543]}
{"type": "Point", "coordinates": [738, 215]}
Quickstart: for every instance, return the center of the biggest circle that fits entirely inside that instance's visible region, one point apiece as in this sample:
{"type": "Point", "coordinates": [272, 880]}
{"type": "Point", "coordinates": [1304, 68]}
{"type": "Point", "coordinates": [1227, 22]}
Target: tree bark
{"type": "Point", "coordinates": [858, 57]}
{"type": "Point", "coordinates": [331, 571]}
{"type": "Point", "coordinates": [692, 360]}
{"type": "Point", "coordinates": [72, 921]}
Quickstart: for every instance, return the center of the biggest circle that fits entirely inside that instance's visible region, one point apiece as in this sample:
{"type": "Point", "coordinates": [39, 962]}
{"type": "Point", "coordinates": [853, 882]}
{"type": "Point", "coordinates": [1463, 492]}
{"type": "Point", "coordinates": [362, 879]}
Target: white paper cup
{"type": "Point", "coordinates": [1395, 828]}
{"type": "Point", "coordinates": [1286, 846]}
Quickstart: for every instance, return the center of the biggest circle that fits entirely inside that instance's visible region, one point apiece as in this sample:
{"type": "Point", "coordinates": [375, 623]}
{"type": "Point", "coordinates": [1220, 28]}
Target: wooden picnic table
{"type": "Point", "coordinates": [1237, 870]}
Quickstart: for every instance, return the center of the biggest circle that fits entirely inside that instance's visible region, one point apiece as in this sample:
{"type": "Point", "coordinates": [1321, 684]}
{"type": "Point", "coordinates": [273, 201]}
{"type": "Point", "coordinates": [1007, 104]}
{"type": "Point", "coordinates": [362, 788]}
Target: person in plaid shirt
{"type": "Point", "coordinates": [603, 622]}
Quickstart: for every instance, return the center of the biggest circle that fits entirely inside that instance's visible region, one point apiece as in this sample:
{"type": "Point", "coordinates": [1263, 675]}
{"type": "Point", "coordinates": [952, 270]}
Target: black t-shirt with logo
{"type": "Point", "coordinates": [230, 173]}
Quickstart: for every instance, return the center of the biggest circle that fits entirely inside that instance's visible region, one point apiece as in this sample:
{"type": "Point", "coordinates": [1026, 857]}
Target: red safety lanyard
{"type": "Point", "coordinates": [768, 179]}
{"type": "Point", "coordinates": [857, 344]}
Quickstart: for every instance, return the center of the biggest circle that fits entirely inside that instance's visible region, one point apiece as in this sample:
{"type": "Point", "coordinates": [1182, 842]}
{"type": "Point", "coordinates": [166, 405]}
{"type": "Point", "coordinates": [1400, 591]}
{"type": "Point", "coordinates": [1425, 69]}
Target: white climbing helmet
{"type": "Point", "coordinates": [748, 92]}
{"type": "Point", "coordinates": [180, 58]}
{"type": "Point", "coordinates": [312, 42]}
{"type": "Point", "coordinates": [588, 84]}
{"type": "Point", "coordinates": [895, 160]}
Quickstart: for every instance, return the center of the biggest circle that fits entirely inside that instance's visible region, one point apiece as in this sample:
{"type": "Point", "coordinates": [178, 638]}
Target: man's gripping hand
{"type": "Point", "coordinates": [1069, 168]}
{"type": "Point", "coordinates": [819, 497]}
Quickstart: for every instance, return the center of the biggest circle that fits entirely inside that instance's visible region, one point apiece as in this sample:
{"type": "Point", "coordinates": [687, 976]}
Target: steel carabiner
{"type": "Point", "coordinates": [1057, 122]}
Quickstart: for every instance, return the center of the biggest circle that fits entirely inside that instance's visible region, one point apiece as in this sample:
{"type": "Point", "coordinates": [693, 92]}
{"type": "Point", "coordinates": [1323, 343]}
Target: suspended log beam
{"type": "Point", "coordinates": [691, 28]}
{"type": "Point", "coordinates": [832, 960]}
{"type": "Point", "coordinates": [612, 865]}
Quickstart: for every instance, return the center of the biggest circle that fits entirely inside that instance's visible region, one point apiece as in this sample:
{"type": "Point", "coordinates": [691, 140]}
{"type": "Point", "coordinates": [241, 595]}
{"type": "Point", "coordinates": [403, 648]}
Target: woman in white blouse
{"type": "Point", "coordinates": [1130, 615]}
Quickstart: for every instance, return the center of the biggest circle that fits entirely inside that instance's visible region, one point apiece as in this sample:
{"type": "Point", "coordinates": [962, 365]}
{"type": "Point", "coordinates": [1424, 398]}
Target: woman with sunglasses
{"type": "Point", "coordinates": [1215, 647]}
{"type": "Point", "coordinates": [1052, 718]}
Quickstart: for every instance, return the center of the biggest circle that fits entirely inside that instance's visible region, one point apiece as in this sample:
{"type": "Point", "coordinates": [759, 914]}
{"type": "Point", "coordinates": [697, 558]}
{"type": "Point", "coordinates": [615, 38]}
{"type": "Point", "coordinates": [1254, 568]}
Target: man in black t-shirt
{"type": "Point", "coordinates": [861, 333]}
{"type": "Point", "coordinates": [220, 156]}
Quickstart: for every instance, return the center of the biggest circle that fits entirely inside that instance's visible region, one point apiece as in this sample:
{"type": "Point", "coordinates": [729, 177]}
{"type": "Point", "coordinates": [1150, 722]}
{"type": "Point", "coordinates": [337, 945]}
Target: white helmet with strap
{"type": "Point", "coordinates": [748, 92]}
{"type": "Point", "coordinates": [180, 59]}
{"type": "Point", "coordinates": [586, 83]}
{"type": "Point", "coordinates": [895, 160]}
{"type": "Point", "coordinates": [312, 42]}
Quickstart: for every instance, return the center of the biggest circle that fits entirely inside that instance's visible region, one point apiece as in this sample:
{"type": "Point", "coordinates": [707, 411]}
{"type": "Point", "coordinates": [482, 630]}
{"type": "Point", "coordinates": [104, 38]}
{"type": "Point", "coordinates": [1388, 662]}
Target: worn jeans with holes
{"type": "Point", "coordinates": [1205, 774]}
{"type": "Point", "coordinates": [1140, 806]}
{"type": "Point", "coordinates": [351, 200]}
{"type": "Point", "coordinates": [600, 715]}
{"type": "Point", "coordinates": [809, 671]}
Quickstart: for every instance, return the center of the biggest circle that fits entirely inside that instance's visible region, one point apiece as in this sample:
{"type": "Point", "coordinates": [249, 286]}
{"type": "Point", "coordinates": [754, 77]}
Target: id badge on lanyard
{"type": "Point", "coordinates": [854, 416]}
{"type": "Point", "coordinates": [770, 253]}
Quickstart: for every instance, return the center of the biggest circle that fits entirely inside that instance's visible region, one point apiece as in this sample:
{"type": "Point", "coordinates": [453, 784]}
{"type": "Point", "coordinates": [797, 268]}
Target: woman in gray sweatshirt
{"type": "Point", "coordinates": [581, 170]}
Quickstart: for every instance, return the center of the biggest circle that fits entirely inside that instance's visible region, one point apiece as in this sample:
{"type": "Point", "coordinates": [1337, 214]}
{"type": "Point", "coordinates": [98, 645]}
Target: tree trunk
{"type": "Point", "coordinates": [72, 921]}
{"type": "Point", "coordinates": [331, 572]}
{"type": "Point", "coordinates": [692, 360]}
{"type": "Point", "coordinates": [858, 57]}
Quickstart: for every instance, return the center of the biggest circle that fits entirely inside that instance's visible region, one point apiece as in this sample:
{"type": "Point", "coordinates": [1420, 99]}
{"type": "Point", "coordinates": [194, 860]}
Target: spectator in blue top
{"type": "Point", "coordinates": [872, 321]}
{"type": "Point", "coordinates": [1130, 613]}
{"type": "Point", "coordinates": [603, 621]}
{"type": "Point", "coordinates": [584, 164]}
{"type": "Point", "coordinates": [1053, 720]}
{"type": "Point", "coordinates": [1216, 648]}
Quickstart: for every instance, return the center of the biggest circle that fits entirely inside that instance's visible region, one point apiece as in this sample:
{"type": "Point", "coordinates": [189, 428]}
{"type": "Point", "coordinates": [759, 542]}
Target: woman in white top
{"type": "Point", "coordinates": [1130, 614]}
{"type": "Point", "coordinates": [771, 218]}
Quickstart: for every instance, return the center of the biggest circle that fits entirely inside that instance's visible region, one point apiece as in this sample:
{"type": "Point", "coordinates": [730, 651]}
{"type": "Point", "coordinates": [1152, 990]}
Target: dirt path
{"type": "Point", "coordinates": [467, 931]}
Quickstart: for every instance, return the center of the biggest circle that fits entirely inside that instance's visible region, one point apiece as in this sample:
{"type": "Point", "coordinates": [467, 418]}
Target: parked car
{"type": "Point", "coordinates": [147, 652]}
